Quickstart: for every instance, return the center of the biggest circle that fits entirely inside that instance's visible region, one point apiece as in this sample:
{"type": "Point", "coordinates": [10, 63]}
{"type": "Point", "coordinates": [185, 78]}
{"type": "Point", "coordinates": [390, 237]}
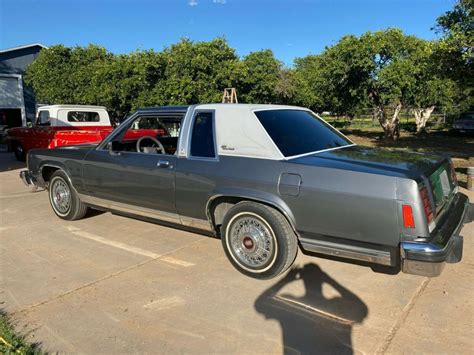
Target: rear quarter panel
{"type": "Point", "coordinates": [331, 202]}
{"type": "Point", "coordinates": [346, 204]}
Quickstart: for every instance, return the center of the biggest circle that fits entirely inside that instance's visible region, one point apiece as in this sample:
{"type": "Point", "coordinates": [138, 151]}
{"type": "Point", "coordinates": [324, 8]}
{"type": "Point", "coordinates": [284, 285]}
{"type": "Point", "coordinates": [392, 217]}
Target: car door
{"type": "Point", "coordinates": [131, 180]}
{"type": "Point", "coordinates": [197, 171]}
{"type": "Point", "coordinates": [41, 133]}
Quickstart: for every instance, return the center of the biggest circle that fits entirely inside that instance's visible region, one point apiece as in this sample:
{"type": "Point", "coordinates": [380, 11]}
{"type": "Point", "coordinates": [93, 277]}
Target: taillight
{"type": "Point", "coordinates": [425, 199]}
{"type": "Point", "coordinates": [408, 220]}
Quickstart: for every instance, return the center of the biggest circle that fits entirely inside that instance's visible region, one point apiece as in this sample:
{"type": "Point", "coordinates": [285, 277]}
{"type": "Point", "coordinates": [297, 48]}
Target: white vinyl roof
{"type": "Point", "coordinates": [240, 133]}
{"type": "Point", "coordinates": [47, 107]}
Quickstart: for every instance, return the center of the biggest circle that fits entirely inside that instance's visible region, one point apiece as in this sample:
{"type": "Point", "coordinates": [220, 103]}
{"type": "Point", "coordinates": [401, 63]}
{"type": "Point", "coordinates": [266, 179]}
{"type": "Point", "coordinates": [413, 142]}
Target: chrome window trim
{"type": "Point", "coordinates": [184, 133]}
{"type": "Point", "coordinates": [319, 151]}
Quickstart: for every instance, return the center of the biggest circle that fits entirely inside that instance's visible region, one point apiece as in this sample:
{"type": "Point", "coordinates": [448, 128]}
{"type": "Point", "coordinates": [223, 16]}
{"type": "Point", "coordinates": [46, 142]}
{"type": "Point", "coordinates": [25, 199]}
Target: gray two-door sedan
{"type": "Point", "coordinates": [267, 180]}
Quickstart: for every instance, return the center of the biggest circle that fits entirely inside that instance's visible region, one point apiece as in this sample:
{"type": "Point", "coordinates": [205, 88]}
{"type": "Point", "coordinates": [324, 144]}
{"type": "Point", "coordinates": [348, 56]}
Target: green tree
{"type": "Point", "coordinates": [194, 72]}
{"type": "Point", "coordinates": [454, 52]}
{"type": "Point", "coordinates": [384, 70]}
{"type": "Point", "coordinates": [258, 76]}
{"type": "Point", "coordinates": [62, 75]}
{"type": "Point", "coordinates": [313, 90]}
{"type": "Point", "coordinates": [121, 85]}
{"type": "Point", "coordinates": [426, 87]}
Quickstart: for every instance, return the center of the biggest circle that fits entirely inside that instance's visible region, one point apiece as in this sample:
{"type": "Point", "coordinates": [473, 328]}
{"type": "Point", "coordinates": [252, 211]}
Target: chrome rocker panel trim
{"type": "Point", "coordinates": [362, 253]}
{"type": "Point", "coordinates": [146, 212]}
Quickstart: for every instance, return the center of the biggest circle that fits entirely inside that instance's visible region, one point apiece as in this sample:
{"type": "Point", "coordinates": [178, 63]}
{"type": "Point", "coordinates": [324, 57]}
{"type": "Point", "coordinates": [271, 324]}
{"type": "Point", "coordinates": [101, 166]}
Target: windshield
{"type": "Point", "coordinates": [298, 132]}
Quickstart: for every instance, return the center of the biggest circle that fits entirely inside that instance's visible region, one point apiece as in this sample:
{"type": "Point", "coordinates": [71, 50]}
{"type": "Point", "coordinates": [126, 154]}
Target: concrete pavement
{"type": "Point", "coordinates": [110, 284]}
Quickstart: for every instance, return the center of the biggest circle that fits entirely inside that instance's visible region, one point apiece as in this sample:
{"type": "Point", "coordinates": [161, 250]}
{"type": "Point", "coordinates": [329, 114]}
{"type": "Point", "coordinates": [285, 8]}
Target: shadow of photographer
{"type": "Point", "coordinates": [313, 323]}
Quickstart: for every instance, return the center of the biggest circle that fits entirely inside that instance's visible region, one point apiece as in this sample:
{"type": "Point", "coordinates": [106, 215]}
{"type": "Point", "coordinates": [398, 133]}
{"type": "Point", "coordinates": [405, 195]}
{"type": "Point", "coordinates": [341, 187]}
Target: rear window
{"type": "Point", "coordinates": [83, 116]}
{"type": "Point", "coordinates": [298, 132]}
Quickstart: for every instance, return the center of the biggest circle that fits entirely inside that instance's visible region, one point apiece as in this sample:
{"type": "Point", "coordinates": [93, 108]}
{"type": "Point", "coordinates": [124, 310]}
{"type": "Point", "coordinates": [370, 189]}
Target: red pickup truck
{"type": "Point", "coordinates": [60, 125]}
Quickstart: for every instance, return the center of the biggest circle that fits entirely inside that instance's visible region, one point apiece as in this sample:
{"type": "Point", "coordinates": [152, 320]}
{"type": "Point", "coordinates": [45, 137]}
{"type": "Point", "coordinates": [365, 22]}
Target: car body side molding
{"type": "Point", "coordinates": [146, 212]}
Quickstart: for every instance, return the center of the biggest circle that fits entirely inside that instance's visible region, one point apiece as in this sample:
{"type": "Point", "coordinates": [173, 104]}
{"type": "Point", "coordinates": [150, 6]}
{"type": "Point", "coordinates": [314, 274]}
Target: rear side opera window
{"type": "Point", "coordinates": [298, 132]}
{"type": "Point", "coordinates": [202, 139]}
{"type": "Point", "coordinates": [83, 116]}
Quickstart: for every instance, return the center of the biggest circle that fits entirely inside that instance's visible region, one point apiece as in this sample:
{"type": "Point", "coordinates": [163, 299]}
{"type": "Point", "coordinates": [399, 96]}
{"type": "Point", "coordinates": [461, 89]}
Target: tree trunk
{"type": "Point", "coordinates": [422, 115]}
{"type": "Point", "coordinates": [391, 126]}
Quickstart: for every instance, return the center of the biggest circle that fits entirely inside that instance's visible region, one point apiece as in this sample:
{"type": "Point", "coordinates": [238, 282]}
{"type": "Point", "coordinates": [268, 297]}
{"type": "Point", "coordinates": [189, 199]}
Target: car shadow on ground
{"type": "Point", "coordinates": [313, 323]}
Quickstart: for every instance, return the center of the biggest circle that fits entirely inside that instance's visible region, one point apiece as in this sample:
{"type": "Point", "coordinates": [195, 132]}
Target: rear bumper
{"type": "Point", "coordinates": [429, 258]}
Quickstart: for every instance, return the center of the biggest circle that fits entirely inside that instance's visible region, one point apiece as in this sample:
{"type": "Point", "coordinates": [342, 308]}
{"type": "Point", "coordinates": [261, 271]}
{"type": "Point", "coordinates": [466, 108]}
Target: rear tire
{"type": "Point", "coordinates": [19, 152]}
{"type": "Point", "coordinates": [258, 240]}
{"type": "Point", "coordinates": [64, 199]}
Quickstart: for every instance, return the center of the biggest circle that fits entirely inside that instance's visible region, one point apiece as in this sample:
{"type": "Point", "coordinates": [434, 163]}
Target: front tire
{"type": "Point", "coordinates": [258, 240]}
{"type": "Point", "coordinates": [64, 199]}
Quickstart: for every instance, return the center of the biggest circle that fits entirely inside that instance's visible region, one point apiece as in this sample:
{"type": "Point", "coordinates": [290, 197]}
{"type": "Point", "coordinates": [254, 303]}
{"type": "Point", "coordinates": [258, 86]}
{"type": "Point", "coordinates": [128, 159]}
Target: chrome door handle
{"type": "Point", "coordinates": [163, 164]}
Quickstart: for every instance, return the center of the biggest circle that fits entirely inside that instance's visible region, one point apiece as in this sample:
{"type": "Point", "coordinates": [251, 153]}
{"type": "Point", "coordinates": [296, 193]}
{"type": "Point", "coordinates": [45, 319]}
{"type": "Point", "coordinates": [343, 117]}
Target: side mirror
{"type": "Point", "coordinates": [29, 124]}
{"type": "Point", "coordinates": [114, 147]}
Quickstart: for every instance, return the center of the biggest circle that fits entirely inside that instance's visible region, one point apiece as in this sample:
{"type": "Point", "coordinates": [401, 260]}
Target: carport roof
{"type": "Point", "coordinates": [23, 47]}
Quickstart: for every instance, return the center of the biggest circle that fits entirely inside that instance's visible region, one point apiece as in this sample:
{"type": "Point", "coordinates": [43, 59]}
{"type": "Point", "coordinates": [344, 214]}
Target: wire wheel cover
{"type": "Point", "coordinates": [252, 242]}
{"type": "Point", "coordinates": [61, 196]}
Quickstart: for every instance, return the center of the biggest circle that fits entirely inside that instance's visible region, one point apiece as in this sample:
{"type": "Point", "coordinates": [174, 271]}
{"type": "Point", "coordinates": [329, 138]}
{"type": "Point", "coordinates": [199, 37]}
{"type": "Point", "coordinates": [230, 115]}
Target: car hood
{"type": "Point", "coordinates": [378, 161]}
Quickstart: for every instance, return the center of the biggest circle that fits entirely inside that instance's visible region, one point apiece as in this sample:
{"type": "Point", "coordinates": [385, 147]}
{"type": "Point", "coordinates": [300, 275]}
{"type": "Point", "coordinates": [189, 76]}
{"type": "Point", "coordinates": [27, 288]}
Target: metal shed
{"type": "Point", "coordinates": [17, 102]}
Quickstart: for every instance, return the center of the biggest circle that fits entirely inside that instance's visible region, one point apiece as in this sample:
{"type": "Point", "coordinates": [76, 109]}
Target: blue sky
{"type": "Point", "coordinates": [291, 28]}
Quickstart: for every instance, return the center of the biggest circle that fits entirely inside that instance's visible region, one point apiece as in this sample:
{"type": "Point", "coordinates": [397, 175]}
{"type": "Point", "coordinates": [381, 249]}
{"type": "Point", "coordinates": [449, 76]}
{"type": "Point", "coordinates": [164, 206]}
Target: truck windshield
{"type": "Point", "coordinates": [298, 132]}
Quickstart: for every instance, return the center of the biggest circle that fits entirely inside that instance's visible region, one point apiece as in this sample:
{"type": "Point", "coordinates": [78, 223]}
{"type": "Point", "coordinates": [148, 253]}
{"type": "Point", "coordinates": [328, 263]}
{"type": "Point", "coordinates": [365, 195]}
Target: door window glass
{"type": "Point", "coordinates": [151, 134]}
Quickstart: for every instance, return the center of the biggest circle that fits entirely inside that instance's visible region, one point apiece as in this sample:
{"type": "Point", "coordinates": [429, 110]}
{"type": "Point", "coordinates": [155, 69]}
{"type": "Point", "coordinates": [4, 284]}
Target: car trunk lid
{"type": "Point", "coordinates": [377, 161]}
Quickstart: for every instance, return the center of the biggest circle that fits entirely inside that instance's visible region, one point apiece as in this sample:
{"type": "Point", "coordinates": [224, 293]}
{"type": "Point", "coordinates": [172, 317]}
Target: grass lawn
{"type": "Point", "coordinates": [13, 343]}
{"type": "Point", "coordinates": [459, 147]}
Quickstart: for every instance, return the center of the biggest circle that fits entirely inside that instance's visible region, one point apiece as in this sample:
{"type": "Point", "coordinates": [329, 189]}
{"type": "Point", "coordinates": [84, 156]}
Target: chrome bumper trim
{"type": "Point", "coordinates": [429, 259]}
{"type": "Point", "coordinates": [27, 178]}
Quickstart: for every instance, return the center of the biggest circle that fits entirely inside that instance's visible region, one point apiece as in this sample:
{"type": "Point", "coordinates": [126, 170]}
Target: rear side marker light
{"type": "Point", "coordinates": [408, 220]}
